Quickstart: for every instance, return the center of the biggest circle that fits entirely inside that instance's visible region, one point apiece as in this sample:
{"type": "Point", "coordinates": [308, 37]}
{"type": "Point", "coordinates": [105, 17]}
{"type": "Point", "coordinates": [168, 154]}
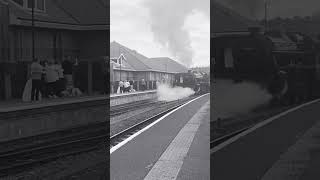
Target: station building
{"type": "Point", "coordinates": [227, 25]}
{"type": "Point", "coordinates": [75, 29]}
{"type": "Point", "coordinates": [128, 64]}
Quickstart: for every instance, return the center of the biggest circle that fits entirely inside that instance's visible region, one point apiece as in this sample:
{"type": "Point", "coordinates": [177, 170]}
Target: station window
{"type": "Point", "coordinates": [39, 5]}
{"type": "Point", "coordinates": [30, 3]}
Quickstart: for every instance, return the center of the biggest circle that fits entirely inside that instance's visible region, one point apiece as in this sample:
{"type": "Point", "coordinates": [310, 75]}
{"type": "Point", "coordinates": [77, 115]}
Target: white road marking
{"type": "Point", "coordinates": [259, 125]}
{"type": "Point", "coordinates": [114, 148]}
{"type": "Point", "coordinates": [169, 164]}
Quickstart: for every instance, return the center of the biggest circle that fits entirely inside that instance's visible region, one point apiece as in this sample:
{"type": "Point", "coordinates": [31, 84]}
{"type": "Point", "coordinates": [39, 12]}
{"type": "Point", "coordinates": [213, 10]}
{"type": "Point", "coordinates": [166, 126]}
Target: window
{"type": "Point", "coordinates": [30, 3]}
{"type": "Point", "coordinates": [40, 5]}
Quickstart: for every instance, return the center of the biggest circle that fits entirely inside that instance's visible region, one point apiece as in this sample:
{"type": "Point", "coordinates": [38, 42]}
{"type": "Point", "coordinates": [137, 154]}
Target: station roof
{"type": "Point", "coordinates": [226, 20]}
{"type": "Point", "coordinates": [134, 59]}
{"type": "Point", "coordinates": [166, 64]}
{"type": "Point", "coordinates": [62, 14]}
{"type": "Point", "coordinates": [140, 62]}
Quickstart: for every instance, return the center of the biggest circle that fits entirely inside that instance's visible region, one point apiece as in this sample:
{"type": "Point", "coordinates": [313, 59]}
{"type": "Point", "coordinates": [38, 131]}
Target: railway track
{"type": "Point", "coordinates": [124, 134]}
{"type": "Point", "coordinates": [120, 109]}
{"type": "Point", "coordinates": [230, 127]}
{"type": "Point", "coordinates": [220, 140]}
{"type": "Point", "coordinates": [22, 158]}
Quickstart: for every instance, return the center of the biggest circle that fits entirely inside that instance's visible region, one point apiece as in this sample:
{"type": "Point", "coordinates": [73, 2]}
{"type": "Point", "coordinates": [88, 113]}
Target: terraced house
{"type": "Point", "coordinates": [61, 29]}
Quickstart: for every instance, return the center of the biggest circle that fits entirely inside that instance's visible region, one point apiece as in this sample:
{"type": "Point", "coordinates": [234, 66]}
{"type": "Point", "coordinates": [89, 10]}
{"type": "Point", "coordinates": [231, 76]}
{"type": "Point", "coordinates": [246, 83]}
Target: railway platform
{"type": "Point", "coordinates": [25, 119]}
{"type": "Point", "coordinates": [119, 99]}
{"type": "Point", "coordinates": [285, 146]}
{"type": "Point", "coordinates": [174, 148]}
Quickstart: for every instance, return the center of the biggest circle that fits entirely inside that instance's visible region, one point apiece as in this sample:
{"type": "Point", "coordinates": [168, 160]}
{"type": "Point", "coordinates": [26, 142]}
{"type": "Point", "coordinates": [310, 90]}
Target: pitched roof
{"type": "Point", "coordinates": [166, 64]}
{"type": "Point", "coordinates": [224, 19]}
{"type": "Point", "coordinates": [140, 62]}
{"type": "Point", "coordinates": [133, 58]}
{"type": "Point", "coordinates": [70, 14]}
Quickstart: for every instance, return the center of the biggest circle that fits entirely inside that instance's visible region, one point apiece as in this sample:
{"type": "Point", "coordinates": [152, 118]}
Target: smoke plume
{"type": "Point", "coordinates": [167, 93]}
{"type": "Point", "coordinates": [167, 21]}
{"type": "Point", "coordinates": [231, 99]}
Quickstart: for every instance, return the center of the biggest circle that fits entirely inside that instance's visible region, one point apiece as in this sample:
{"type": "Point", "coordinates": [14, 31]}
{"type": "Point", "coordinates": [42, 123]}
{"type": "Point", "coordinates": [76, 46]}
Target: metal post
{"type": "Point", "coordinates": [33, 41]}
{"type": "Point", "coordinates": [120, 67]}
{"type": "Point", "coordinates": [266, 15]}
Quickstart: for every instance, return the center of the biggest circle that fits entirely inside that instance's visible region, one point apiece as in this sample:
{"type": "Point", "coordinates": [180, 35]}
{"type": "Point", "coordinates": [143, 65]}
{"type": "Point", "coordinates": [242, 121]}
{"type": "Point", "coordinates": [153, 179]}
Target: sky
{"type": "Point", "coordinates": [163, 29]}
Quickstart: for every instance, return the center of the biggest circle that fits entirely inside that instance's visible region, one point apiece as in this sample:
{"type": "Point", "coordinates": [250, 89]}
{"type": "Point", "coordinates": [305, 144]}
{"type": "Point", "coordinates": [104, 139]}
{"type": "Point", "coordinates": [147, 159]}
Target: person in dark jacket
{"type": "Point", "coordinates": [67, 66]}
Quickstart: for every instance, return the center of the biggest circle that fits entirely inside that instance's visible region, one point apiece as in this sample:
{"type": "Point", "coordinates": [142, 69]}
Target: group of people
{"type": "Point", "coordinates": [48, 79]}
{"type": "Point", "coordinates": [125, 86]}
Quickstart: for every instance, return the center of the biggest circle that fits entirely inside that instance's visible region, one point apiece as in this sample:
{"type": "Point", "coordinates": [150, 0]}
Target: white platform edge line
{"type": "Point", "coordinates": [114, 148]}
{"type": "Point", "coordinates": [259, 125]}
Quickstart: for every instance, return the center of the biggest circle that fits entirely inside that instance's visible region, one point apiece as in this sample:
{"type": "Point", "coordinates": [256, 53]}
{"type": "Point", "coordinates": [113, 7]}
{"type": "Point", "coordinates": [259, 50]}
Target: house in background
{"type": "Point", "coordinates": [128, 64]}
{"type": "Point", "coordinates": [62, 29]}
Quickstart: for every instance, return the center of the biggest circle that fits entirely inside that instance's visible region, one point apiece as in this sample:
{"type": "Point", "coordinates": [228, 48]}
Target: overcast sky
{"type": "Point", "coordinates": [134, 24]}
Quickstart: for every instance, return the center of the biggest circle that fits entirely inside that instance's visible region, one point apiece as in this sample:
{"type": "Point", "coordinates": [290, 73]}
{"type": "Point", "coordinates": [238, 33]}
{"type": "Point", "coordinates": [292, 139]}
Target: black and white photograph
{"type": "Point", "coordinates": [54, 89]}
{"type": "Point", "coordinates": [159, 89]}
{"type": "Point", "coordinates": [265, 89]}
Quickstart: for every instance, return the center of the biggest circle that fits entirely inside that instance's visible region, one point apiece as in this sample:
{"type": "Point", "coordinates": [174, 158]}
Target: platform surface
{"type": "Point", "coordinates": [253, 155]}
{"type": "Point", "coordinates": [132, 93]}
{"type": "Point", "coordinates": [18, 104]}
{"type": "Point", "coordinates": [140, 157]}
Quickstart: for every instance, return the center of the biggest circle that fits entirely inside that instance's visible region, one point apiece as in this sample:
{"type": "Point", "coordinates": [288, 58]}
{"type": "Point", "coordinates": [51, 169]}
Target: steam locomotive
{"type": "Point", "coordinates": [199, 82]}
{"type": "Point", "coordinates": [284, 63]}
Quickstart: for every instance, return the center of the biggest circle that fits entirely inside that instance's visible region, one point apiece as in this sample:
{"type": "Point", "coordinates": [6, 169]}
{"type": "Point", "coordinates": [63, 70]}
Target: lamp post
{"type": "Point", "coordinates": [32, 21]}
{"type": "Point", "coordinates": [120, 62]}
{"type": "Point", "coordinates": [266, 4]}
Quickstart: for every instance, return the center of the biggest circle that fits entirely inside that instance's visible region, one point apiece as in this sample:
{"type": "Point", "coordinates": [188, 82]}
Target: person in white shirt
{"type": "Point", "coordinates": [52, 77]}
{"type": "Point", "coordinates": [126, 86]}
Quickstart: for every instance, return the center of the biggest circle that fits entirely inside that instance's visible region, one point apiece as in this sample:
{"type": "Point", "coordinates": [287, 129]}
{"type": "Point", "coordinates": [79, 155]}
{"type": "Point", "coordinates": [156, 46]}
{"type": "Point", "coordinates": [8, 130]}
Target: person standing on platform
{"type": "Point", "coordinates": [52, 78]}
{"type": "Point", "coordinates": [36, 73]}
{"type": "Point", "coordinates": [67, 70]}
{"type": "Point", "coordinates": [143, 85]}
{"type": "Point", "coordinates": [60, 81]}
{"type": "Point", "coordinates": [126, 86]}
{"type": "Point", "coordinates": [120, 87]}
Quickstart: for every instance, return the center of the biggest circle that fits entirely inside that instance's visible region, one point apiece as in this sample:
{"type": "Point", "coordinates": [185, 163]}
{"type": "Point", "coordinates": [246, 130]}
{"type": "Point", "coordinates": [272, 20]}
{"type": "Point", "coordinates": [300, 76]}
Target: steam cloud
{"type": "Point", "coordinates": [167, 93]}
{"type": "Point", "coordinates": [233, 99]}
{"type": "Point", "coordinates": [167, 20]}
